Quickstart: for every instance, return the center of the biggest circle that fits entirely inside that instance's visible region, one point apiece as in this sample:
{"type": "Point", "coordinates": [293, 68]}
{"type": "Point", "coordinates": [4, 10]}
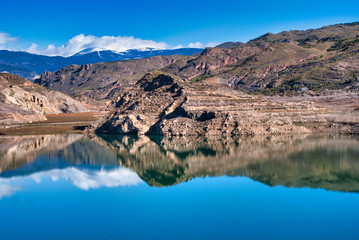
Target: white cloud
{"type": "Point", "coordinates": [33, 47]}
{"type": "Point", "coordinates": [198, 45]}
{"type": "Point", "coordinates": [82, 42]}
{"type": "Point", "coordinates": [6, 38]}
{"type": "Point", "coordinates": [81, 178]}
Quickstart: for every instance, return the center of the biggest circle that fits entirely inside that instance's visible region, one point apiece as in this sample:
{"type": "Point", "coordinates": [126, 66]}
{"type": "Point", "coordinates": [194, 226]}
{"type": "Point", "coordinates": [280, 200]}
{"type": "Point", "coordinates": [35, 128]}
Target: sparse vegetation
{"type": "Point", "coordinates": [343, 44]}
{"type": "Point", "coordinates": [268, 63]}
{"type": "Point", "coordinates": [202, 77]}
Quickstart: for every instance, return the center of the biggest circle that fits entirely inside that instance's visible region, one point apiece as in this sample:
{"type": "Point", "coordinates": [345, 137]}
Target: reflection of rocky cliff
{"type": "Point", "coordinates": [16, 151]}
{"type": "Point", "coordinates": [319, 162]}
{"type": "Point", "coordinates": [85, 152]}
{"type": "Point", "coordinates": [330, 162]}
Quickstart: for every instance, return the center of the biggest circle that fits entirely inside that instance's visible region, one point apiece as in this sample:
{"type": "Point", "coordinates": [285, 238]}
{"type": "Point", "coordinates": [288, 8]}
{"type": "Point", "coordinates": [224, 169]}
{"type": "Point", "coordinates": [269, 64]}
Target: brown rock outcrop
{"type": "Point", "coordinates": [163, 104]}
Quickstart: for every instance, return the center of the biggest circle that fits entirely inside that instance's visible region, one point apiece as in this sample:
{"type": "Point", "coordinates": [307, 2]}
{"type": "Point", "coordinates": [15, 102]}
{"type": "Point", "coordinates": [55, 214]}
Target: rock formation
{"type": "Point", "coordinates": [164, 104]}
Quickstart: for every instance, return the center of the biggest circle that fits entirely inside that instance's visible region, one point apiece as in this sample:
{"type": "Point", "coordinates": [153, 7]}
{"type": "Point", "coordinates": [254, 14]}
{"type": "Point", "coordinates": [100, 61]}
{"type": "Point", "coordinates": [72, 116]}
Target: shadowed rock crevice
{"type": "Point", "coordinates": [205, 116]}
{"type": "Point", "coordinates": [148, 83]}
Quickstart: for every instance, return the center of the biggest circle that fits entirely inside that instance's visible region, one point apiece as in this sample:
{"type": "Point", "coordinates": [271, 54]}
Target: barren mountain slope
{"type": "Point", "coordinates": [312, 60]}
{"type": "Point", "coordinates": [102, 80]}
{"type": "Point", "coordinates": [22, 101]}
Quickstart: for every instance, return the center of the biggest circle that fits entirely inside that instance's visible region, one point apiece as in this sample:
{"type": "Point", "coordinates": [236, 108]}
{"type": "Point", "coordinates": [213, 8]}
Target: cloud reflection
{"type": "Point", "coordinates": [84, 179]}
{"type": "Point", "coordinates": [7, 189]}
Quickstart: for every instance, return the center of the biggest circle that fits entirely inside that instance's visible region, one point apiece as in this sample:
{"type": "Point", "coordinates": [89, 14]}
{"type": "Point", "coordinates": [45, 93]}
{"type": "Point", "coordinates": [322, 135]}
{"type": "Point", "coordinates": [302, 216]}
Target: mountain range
{"type": "Point", "coordinates": [31, 66]}
{"type": "Point", "coordinates": [284, 63]}
{"type": "Point", "coordinates": [314, 59]}
{"type": "Point", "coordinates": [285, 83]}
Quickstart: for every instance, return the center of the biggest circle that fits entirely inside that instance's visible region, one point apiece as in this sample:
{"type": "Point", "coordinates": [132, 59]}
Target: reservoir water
{"type": "Point", "coordinates": [121, 187]}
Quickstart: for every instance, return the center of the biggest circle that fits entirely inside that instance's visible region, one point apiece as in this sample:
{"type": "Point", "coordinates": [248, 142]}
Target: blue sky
{"type": "Point", "coordinates": [45, 22]}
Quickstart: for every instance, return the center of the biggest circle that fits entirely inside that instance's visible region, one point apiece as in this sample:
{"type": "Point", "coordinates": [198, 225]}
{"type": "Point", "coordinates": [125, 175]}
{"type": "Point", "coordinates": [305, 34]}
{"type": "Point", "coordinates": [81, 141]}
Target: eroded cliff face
{"type": "Point", "coordinates": [22, 101]}
{"type": "Point", "coordinates": [163, 104]}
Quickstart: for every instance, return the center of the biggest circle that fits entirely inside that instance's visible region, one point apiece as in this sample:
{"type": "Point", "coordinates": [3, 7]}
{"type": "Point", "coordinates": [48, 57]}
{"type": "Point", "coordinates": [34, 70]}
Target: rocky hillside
{"type": "Point", "coordinates": [164, 104]}
{"type": "Point", "coordinates": [209, 60]}
{"type": "Point", "coordinates": [22, 101]}
{"type": "Point", "coordinates": [102, 80]}
{"type": "Point", "coordinates": [283, 63]}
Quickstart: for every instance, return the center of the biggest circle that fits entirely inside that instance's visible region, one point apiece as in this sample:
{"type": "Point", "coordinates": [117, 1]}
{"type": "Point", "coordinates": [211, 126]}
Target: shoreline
{"type": "Point", "coordinates": [55, 124]}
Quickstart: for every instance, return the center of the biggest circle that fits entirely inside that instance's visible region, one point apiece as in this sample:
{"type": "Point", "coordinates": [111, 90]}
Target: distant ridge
{"type": "Point", "coordinates": [228, 45]}
{"type": "Point", "coordinates": [31, 66]}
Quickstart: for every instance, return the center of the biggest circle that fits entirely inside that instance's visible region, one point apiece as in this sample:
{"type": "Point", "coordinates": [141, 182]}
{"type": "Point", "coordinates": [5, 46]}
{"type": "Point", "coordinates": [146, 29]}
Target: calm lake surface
{"type": "Point", "coordinates": [120, 187]}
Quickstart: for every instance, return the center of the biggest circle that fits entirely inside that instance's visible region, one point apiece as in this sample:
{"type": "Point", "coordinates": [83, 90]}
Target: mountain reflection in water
{"type": "Point", "coordinates": [329, 162]}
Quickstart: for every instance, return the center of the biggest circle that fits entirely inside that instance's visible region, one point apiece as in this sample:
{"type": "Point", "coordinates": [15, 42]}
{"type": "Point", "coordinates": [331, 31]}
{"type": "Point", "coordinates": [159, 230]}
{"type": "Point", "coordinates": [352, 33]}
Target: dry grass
{"type": "Point", "coordinates": [55, 124]}
{"type": "Point", "coordinates": [70, 117]}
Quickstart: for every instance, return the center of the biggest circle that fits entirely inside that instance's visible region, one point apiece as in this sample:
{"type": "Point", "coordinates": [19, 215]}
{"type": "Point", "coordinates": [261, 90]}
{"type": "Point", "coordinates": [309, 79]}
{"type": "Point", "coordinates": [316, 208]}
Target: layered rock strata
{"type": "Point", "coordinates": [164, 104]}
